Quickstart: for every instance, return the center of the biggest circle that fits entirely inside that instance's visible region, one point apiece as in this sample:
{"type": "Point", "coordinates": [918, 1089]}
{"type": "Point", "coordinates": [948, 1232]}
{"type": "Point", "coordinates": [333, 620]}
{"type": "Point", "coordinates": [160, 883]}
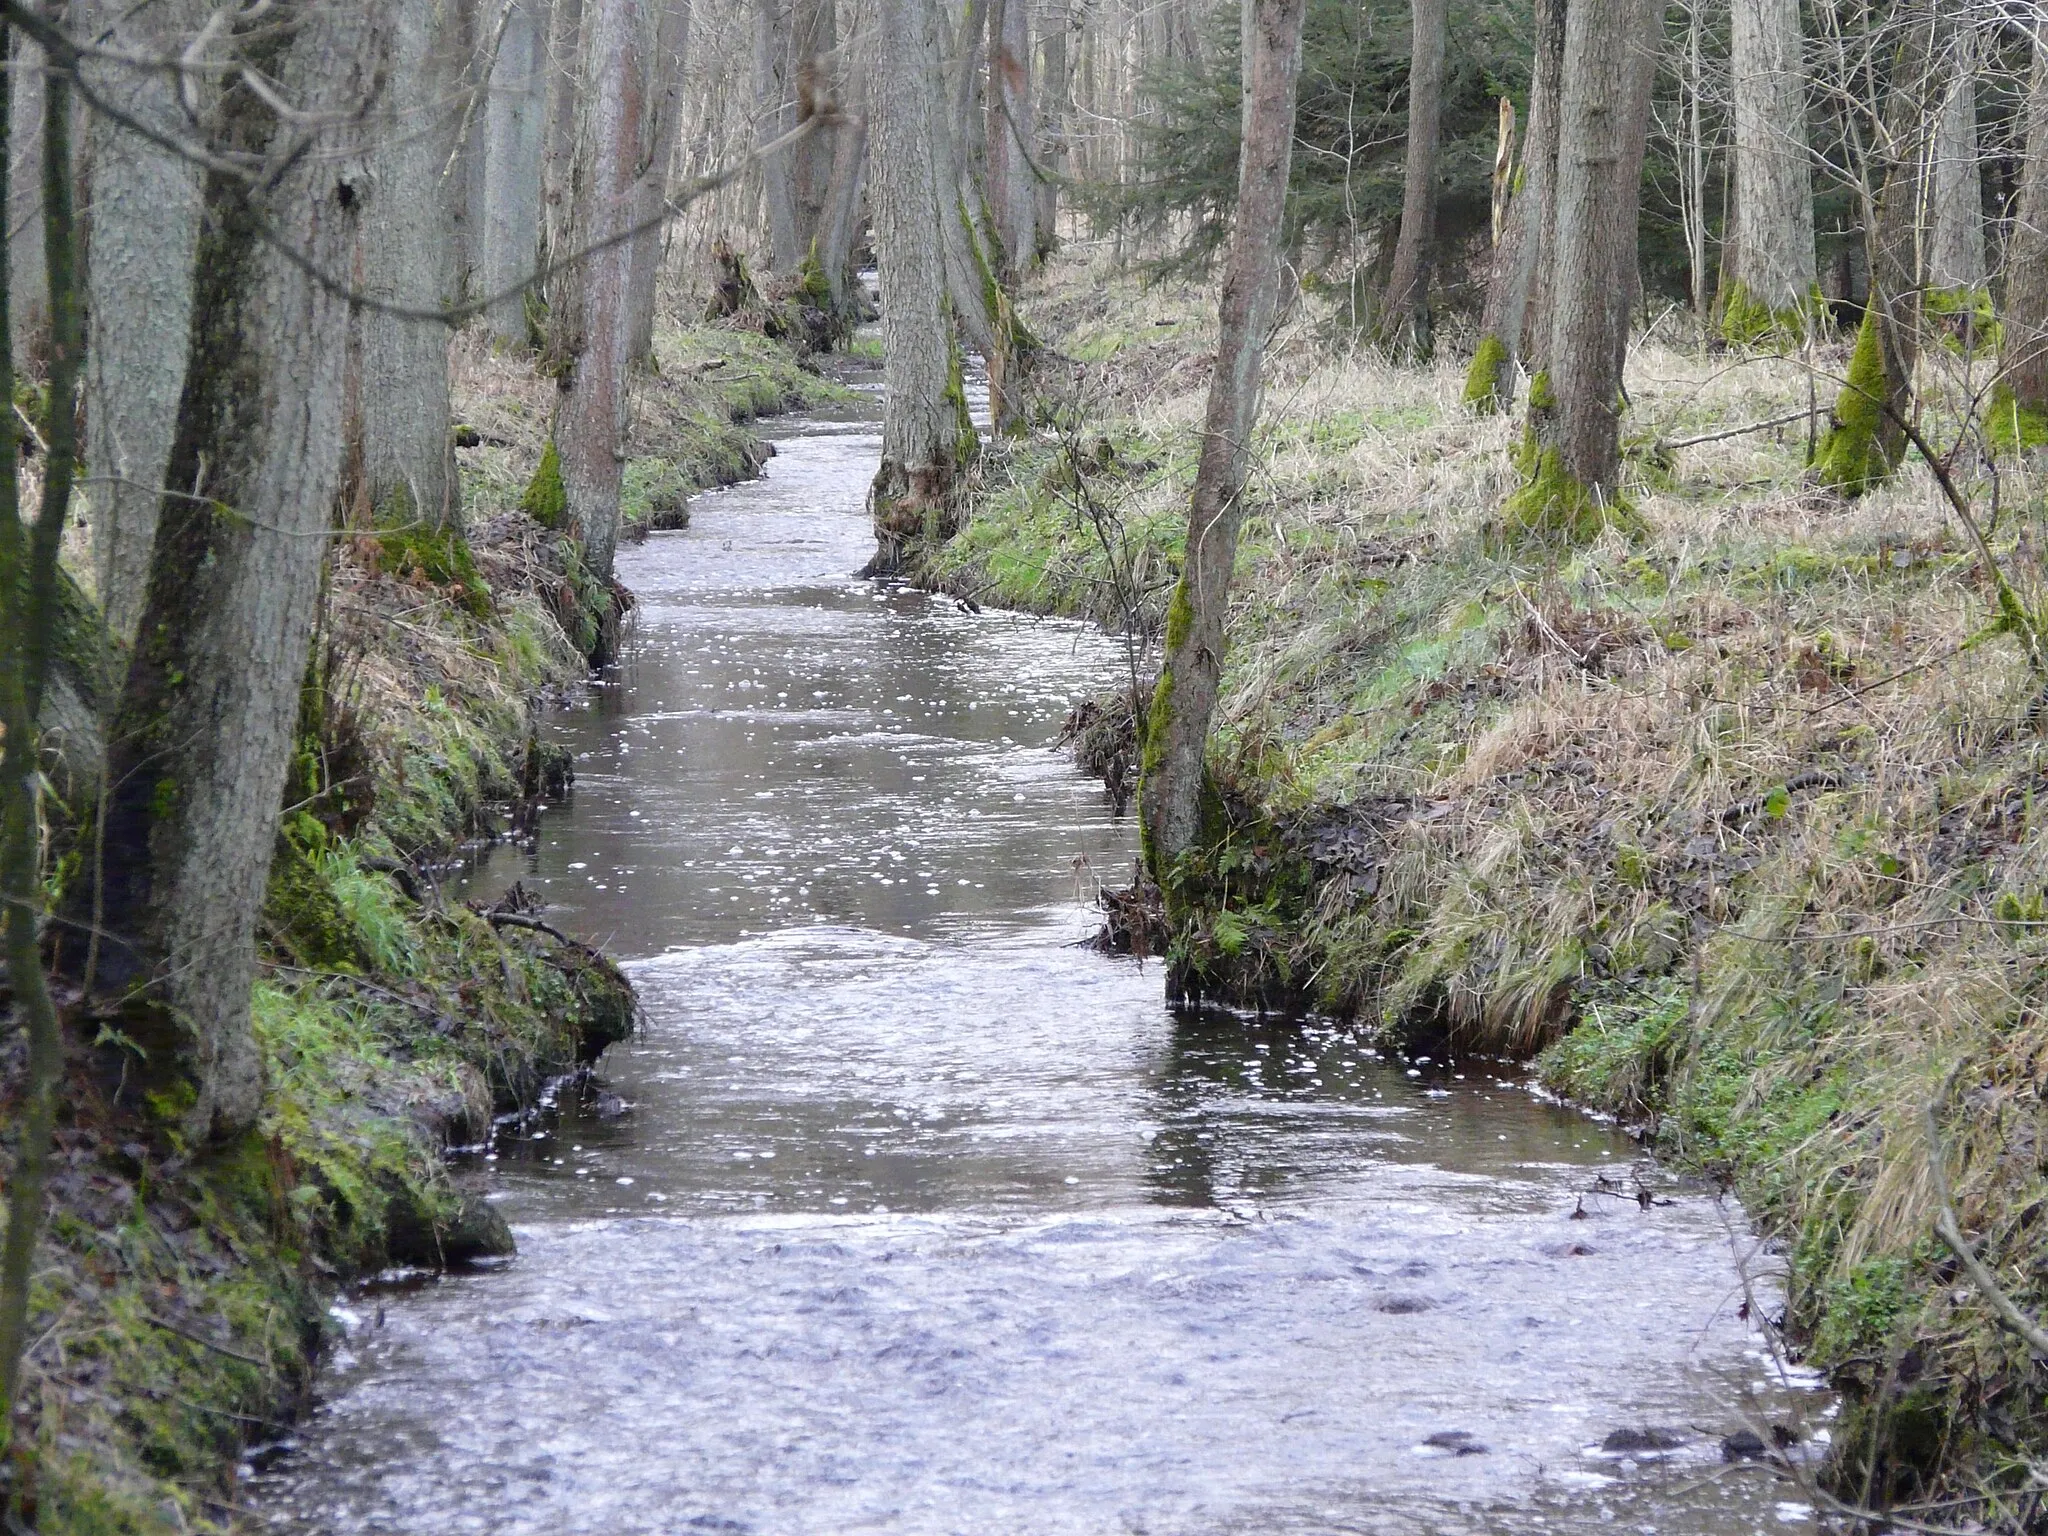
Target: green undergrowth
{"type": "Point", "coordinates": [1732, 821]}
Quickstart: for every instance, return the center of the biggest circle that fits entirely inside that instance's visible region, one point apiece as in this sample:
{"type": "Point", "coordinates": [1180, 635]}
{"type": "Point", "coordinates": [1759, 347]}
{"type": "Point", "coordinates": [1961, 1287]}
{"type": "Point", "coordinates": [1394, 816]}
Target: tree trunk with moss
{"type": "Point", "coordinates": [927, 439]}
{"type": "Point", "coordinates": [592, 325]}
{"type": "Point", "coordinates": [1768, 283]}
{"type": "Point", "coordinates": [402, 463]}
{"type": "Point", "coordinates": [1490, 381]}
{"type": "Point", "coordinates": [1571, 459]}
{"type": "Point", "coordinates": [1404, 320]}
{"type": "Point", "coordinates": [650, 195]}
{"type": "Point", "coordinates": [205, 727]}
{"type": "Point", "coordinates": [1012, 139]}
{"type": "Point", "coordinates": [1866, 436]}
{"type": "Point", "coordinates": [145, 227]}
{"type": "Point", "coordinates": [1175, 784]}
{"type": "Point", "coordinates": [515, 115]}
{"type": "Point", "coordinates": [2019, 404]}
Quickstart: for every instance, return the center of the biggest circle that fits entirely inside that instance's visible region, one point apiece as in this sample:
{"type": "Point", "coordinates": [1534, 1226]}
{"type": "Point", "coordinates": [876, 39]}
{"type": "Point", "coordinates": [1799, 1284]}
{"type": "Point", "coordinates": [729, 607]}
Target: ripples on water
{"type": "Point", "coordinates": [905, 1215]}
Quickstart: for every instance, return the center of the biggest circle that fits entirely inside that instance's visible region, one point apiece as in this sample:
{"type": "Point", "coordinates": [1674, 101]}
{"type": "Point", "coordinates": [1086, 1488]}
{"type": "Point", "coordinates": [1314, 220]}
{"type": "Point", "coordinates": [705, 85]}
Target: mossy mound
{"type": "Point", "coordinates": [547, 500]}
{"type": "Point", "coordinates": [439, 557]}
{"type": "Point", "coordinates": [2012, 426]}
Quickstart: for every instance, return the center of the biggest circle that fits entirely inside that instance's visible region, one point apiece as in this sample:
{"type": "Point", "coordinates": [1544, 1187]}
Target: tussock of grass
{"type": "Point", "coordinates": [1731, 822]}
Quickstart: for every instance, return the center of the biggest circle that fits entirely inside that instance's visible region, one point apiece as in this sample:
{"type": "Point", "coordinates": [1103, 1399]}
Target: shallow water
{"type": "Point", "coordinates": [904, 1214]}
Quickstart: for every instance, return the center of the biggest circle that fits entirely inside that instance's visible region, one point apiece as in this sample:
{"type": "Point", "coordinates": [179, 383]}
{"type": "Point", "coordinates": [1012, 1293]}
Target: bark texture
{"type": "Point", "coordinates": [1572, 459]}
{"type": "Point", "coordinates": [1490, 382]}
{"type": "Point", "coordinates": [1012, 138]}
{"type": "Point", "coordinates": [514, 139]}
{"type": "Point", "coordinates": [558, 155]}
{"type": "Point", "coordinates": [650, 194]}
{"type": "Point", "coordinates": [29, 315]}
{"type": "Point", "coordinates": [1175, 784]}
{"type": "Point", "coordinates": [145, 227]}
{"type": "Point", "coordinates": [794, 44]}
{"type": "Point", "coordinates": [403, 464]}
{"type": "Point", "coordinates": [1955, 255]}
{"type": "Point", "coordinates": [1405, 314]}
{"type": "Point", "coordinates": [926, 436]}
{"type": "Point", "coordinates": [594, 326]}
{"type": "Point", "coordinates": [1769, 269]}
{"type": "Point", "coordinates": [204, 733]}
{"type": "Point", "coordinates": [1055, 117]}
{"type": "Point", "coordinates": [2019, 415]}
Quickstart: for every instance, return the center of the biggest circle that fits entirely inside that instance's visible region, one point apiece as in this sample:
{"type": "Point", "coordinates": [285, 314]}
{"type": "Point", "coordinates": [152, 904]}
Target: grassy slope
{"type": "Point", "coordinates": [1733, 827]}
{"type": "Point", "coordinates": [180, 1306]}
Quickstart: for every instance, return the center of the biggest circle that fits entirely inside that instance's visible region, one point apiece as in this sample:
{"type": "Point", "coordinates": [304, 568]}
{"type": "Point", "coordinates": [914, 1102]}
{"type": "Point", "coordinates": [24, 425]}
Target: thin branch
{"type": "Point", "coordinates": [1951, 1232]}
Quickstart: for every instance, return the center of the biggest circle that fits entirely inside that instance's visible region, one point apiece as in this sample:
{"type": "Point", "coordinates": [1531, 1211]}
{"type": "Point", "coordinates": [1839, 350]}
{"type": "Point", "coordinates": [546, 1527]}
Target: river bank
{"type": "Point", "coordinates": [1730, 826]}
{"type": "Point", "coordinates": [181, 1310]}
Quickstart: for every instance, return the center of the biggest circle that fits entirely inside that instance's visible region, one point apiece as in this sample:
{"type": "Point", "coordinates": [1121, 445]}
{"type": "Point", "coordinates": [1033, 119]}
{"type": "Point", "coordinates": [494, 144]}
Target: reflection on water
{"type": "Point", "coordinates": [904, 1214]}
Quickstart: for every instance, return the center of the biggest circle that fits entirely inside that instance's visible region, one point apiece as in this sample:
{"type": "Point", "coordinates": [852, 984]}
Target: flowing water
{"type": "Point", "coordinates": [905, 1214]}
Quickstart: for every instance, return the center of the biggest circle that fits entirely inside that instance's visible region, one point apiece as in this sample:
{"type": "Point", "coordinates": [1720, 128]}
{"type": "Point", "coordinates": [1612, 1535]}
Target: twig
{"type": "Point", "coordinates": [1664, 446]}
{"type": "Point", "coordinates": [204, 1342]}
{"type": "Point", "coordinates": [517, 920]}
{"type": "Point", "coordinates": [2006, 1309]}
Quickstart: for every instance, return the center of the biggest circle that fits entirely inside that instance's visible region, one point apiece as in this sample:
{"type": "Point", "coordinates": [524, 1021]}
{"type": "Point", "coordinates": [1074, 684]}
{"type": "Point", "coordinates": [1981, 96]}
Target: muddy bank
{"type": "Point", "coordinates": [1728, 827]}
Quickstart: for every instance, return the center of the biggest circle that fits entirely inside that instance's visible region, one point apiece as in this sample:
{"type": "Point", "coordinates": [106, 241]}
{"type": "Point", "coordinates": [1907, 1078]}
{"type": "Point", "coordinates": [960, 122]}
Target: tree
{"type": "Point", "coordinates": [145, 225]}
{"type": "Point", "coordinates": [1955, 255]}
{"type": "Point", "coordinates": [1055, 113]}
{"type": "Point", "coordinates": [927, 437]}
{"type": "Point", "coordinates": [1505, 323]}
{"type": "Point", "coordinates": [591, 341]}
{"type": "Point", "coordinates": [650, 193]}
{"type": "Point", "coordinates": [2019, 408]}
{"type": "Point", "coordinates": [1866, 435]}
{"type": "Point", "coordinates": [1405, 316]}
{"type": "Point", "coordinates": [794, 41]}
{"type": "Point", "coordinates": [1175, 782]}
{"type": "Point", "coordinates": [1768, 284]}
{"type": "Point", "coordinates": [515, 117]}
{"type": "Point", "coordinates": [1571, 459]}
{"type": "Point", "coordinates": [403, 463]}
{"type": "Point", "coordinates": [1012, 138]}
{"type": "Point", "coordinates": [204, 730]}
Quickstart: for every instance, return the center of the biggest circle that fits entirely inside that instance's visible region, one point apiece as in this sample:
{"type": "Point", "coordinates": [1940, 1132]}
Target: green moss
{"type": "Point", "coordinates": [1965, 318]}
{"type": "Point", "coordinates": [546, 500]}
{"type": "Point", "coordinates": [1746, 320]}
{"type": "Point", "coordinates": [2012, 426]}
{"type": "Point", "coordinates": [442, 558]}
{"type": "Point", "coordinates": [1856, 453]}
{"type": "Point", "coordinates": [1487, 386]}
{"type": "Point", "coordinates": [1552, 510]}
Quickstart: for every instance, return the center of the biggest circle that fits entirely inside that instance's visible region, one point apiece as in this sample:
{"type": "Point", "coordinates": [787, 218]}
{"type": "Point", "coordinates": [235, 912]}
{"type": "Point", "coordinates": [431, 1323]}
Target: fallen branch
{"type": "Point", "coordinates": [1951, 1232]}
{"type": "Point", "coordinates": [204, 1342]}
{"type": "Point", "coordinates": [1664, 445]}
{"type": "Point", "coordinates": [516, 920]}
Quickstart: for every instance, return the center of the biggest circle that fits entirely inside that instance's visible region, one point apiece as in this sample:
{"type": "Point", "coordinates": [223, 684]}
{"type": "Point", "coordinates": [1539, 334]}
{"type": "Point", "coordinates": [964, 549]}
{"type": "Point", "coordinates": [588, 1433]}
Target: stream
{"type": "Point", "coordinates": [904, 1213]}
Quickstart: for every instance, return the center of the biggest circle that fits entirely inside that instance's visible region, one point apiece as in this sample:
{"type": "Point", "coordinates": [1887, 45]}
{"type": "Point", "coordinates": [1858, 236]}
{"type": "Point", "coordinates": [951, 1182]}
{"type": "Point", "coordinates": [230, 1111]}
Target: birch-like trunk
{"type": "Point", "coordinates": [1573, 456]}
{"type": "Point", "coordinates": [514, 140]}
{"type": "Point", "coordinates": [1503, 326]}
{"type": "Point", "coordinates": [145, 227]}
{"type": "Point", "coordinates": [1012, 135]}
{"type": "Point", "coordinates": [1955, 253]}
{"type": "Point", "coordinates": [650, 195]}
{"type": "Point", "coordinates": [595, 328]}
{"type": "Point", "coordinates": [2019, 412]}
{"type": "Point", "coordinates": [1405, 315]}
{"type": "Point", "coordinates": [1768, 265]}
{"type": "Point", "coordinates": [204, 733]}
{"type": "Point", "coordinates": [1175, 782]}
{"type": "Point", "coordinates": [926, 434]}
{"type": "Point", "coordinates": [403, 464]}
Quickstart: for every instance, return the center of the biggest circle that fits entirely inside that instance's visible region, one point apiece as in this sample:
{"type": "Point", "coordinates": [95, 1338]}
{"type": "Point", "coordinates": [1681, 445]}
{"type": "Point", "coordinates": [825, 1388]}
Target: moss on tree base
{"type": "Point", "coordinates": [2012, 426]}
{"type": "Point", "coordinates": [1552, 510]}
{"type": "Point", "coordinates": [1746, 320]}
{"type": "Point", "coordinates": [1857, 453]}
{"type": "Point", "coordinates": [1488, 388]}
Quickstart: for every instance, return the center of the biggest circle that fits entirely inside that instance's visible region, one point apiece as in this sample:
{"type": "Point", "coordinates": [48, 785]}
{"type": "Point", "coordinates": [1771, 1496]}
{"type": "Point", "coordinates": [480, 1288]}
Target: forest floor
{"type": "Point", "coordinates": [1730, 827]}
{"type": "Point", "coordinates": [181, 1305]}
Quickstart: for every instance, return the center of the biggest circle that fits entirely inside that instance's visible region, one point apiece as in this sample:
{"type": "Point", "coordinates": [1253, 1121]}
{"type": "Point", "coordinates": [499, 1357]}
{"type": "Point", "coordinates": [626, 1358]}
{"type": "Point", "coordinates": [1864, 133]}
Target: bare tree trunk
{"type": "Point", "coordinates": [1955, 257]}
{"type": "Point", "coordinates": [793, 44]}
{"type": "Point", "coordinates": [145, 227]}
{"type": "Point", "coordinates": [558, 163]}
{"type": "Point", "coordinates": [1055, 116]}
{"type": "Point", "coordinates": [1572, 460]}
{"type": "Point", "coordinates": [595, 327]}
{"type": "Point", "coordinates": [2019, 410]}
{"type": "Point", "coordinates": [204, 734]}
{"type": "Point", "coordinates": [927, 438]}
{"type": "Point", "coordinates": [841, 226]}
{"type": "Point", "coordinates": [1865, 438]}
{"type": "Point", "coordinates": [402, 461]}
{"type": "Point", "coordinates": [1012, 138]}
{"type": "Point", "coordinates": [650, 196]}
{"type": "Point", "coordinates": [773, 90]}
{"type": "Point", "coordinates": [1175, 782]}
{"type": "Point", "coordinates": [1768, 265]}
{"type": "Point", "coordinates": [515, 120]}
{"type": "Point", "coordinates": [1490, 382]}
{"type": "Point", "coordinates": [1404, 320]}
{"type": "Point", "coordinates": [30, 318]}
